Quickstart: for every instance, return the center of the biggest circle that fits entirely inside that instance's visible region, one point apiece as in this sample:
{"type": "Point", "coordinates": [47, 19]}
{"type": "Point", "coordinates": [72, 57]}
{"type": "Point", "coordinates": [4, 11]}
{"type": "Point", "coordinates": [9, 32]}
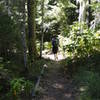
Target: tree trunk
{"type": "Point", "coordinates": [42, 32]}
{"type": "Point", "coordinates": [24, 33]}
{"type": "Point", "coordinates": [82, 13]}
{"type": "Point", "coordinates": [89, 14]}
{"type": "Point", "coordinates": [31, 5]}
{"type": "Point", "coordinates": [8, 6]}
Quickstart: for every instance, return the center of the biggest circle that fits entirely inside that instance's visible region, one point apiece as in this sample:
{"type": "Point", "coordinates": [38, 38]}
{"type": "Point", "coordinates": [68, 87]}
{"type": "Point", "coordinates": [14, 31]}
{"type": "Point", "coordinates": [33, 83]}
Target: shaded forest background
{"type": "Point", "coordinates": [26, 29]}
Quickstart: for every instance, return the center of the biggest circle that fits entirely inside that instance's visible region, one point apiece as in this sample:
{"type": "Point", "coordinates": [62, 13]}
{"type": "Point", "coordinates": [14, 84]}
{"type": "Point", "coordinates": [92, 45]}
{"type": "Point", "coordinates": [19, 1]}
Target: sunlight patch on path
{"type": "Point", "coordinates": [58, 86]}
{"type": "Point", "coordinates": [51, 56]}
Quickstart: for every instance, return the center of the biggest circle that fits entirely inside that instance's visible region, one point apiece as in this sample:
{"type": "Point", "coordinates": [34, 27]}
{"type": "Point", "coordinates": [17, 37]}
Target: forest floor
{"type": "Point", "coordinates": [50, 56]}
{"type": "Point", "coordinates": [55, 85]}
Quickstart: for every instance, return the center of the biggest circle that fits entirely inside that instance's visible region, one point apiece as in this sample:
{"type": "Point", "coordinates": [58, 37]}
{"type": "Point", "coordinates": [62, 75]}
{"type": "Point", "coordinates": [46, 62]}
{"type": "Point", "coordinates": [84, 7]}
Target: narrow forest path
{"type": "Point", "coordinates": [56, 86]}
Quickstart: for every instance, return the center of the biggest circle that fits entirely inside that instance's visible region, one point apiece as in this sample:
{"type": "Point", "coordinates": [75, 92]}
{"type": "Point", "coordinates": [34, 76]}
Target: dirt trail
{"type": "Point", "coordinates": [56, 86]}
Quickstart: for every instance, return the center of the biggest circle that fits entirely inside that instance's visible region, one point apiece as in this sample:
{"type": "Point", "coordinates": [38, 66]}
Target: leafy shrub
{"type": "Point", "coordinates": [16, 86]}
{"type": "Point", "coordinates": [28, 86]}
{"type": "Point", "coordinates": [83, 44]}
{"type": "Point", "coordinates": [19, 86]}
{"type": "Point", "coordinates": [47, 45]}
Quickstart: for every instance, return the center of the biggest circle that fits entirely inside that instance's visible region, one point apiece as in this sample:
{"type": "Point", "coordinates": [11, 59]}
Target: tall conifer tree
{"type": "Point", "coordinates": [31, 5]}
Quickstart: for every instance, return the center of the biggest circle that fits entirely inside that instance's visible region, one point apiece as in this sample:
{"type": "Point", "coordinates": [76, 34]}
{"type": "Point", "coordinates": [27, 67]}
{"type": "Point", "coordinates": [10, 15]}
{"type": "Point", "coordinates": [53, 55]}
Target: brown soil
{"type": "Point", "coordinates": [56, 86]}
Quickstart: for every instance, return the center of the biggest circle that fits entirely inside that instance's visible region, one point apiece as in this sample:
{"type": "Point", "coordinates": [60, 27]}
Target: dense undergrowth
{"type": "Point", "coordinates": [83, 64]}
{"type": "Point", "coordinates": [17, 82]}
{"type": "Point", "coordinates": [86, 75]}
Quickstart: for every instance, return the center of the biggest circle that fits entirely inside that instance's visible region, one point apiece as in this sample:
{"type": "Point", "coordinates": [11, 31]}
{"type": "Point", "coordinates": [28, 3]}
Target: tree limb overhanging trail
{"type": "Point", "coordinates": [55, 86]}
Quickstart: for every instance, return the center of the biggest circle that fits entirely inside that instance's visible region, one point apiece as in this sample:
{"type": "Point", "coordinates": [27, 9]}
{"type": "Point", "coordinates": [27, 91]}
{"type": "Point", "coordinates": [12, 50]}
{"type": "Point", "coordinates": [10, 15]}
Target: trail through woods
{"type": "Point", "coordinates": [50, 56]}
{"type": "Point", "coordinates": [56, 86]}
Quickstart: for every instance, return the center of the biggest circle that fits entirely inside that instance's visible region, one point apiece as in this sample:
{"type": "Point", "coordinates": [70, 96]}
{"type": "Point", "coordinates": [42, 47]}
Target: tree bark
{"type": "Point", "coordinates": [31, 5]}
{"type": "Point", "coordinates": [24, 34]}
{"type": "Point", "coordinates": [42, 32]}
{"type": "Point", "coordinates": [89, 14]}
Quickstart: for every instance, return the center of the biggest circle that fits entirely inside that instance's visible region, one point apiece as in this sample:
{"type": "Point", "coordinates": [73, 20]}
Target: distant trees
{"type": "Point", "coordinates": [57, 18]}
{"type": "Point", "coordinates": [7, 38]}
{"type": "Point", "coordinates": [15, 13]}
